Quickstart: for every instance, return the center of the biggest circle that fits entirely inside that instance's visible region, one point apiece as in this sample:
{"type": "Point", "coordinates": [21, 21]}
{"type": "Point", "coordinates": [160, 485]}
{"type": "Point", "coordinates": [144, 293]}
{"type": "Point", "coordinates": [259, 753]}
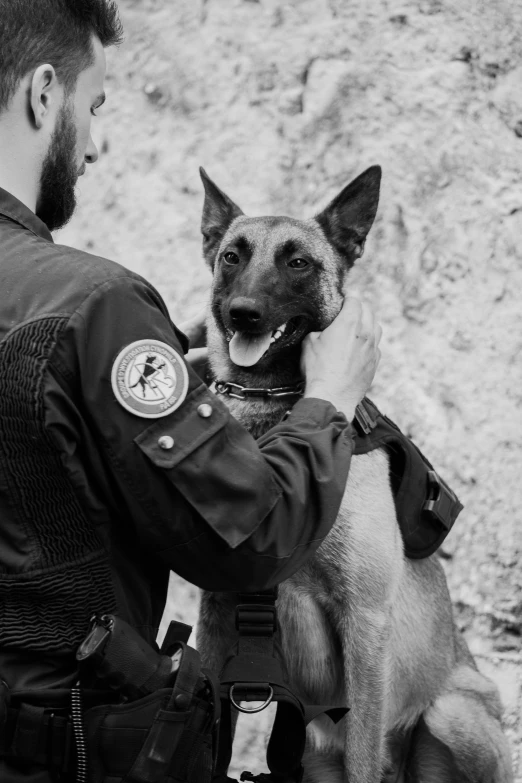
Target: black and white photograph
{"type": "Point", "coordinates": [260, 391]}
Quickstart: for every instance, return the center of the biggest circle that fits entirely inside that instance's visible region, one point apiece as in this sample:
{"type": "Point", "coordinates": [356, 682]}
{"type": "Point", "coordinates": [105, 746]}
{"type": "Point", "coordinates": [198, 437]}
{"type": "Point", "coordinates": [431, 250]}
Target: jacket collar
{"type": "Point", "coordinates": [13, 209]}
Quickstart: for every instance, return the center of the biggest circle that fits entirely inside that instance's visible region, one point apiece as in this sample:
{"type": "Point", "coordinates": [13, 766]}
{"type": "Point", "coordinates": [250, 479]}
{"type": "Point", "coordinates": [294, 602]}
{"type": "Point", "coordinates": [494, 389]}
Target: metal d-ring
{"type": "Point", "coordinates": [253, 709]}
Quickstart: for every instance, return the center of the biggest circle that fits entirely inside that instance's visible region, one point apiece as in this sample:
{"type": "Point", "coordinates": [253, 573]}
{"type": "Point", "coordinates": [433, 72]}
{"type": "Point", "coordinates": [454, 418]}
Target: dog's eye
{"type": "Point", "coordinates": [297, 263]}
{"type": "Point", "coordinates": [231, 259]}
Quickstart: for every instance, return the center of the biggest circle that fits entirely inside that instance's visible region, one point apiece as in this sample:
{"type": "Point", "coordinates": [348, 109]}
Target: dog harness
{"type": "Point", "coordinates": [426, 507]}
{"type": "Point", "coordinates": [254, 671]}
{"type": "Point", "coordinates": [426, 511]}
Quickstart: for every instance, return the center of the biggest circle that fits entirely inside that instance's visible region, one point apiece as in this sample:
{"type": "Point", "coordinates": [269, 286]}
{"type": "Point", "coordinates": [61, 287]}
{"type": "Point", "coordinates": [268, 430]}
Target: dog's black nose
{"type": "Point", "coordinates": [244, 313]}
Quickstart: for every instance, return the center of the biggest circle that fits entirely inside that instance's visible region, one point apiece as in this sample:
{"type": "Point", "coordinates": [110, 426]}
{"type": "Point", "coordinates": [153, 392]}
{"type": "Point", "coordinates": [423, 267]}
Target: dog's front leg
{"type": "Point", "coordinates": [216, 633]}
{"type": "Point", "coordinates": [366, 673]}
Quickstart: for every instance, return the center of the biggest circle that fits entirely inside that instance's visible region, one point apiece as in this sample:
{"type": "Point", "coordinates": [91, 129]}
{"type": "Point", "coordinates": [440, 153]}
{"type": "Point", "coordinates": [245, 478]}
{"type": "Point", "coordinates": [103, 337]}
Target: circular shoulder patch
{"type": "Point", "coordinates": [149, 379]}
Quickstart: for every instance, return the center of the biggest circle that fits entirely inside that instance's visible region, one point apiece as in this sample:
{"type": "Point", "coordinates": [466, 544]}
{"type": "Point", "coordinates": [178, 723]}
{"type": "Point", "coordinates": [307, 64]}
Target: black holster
{"type": "Point", "coordinates": [166, 736]}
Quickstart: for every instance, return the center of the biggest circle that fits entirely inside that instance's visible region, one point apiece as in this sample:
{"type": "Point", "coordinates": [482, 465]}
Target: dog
{"type": "Point", "coordinates": [360, 624]}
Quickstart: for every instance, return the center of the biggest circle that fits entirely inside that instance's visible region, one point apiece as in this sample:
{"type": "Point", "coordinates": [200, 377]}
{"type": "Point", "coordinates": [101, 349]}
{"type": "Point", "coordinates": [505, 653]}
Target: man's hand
{"type": "Point", "coordinates": [339, 363]}
{"type": "Point", "coordinates": [196, 330]}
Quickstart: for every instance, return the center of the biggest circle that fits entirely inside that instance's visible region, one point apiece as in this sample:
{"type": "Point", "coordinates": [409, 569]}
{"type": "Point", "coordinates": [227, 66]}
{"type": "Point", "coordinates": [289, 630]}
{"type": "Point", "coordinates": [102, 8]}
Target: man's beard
{"type": "Point", "coordinates": [57, 200]}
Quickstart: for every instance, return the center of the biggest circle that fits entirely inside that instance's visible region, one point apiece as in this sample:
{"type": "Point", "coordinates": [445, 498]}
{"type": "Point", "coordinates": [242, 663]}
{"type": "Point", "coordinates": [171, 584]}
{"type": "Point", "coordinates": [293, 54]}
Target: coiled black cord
{"type": "Point", "coordinates": [79, 736]}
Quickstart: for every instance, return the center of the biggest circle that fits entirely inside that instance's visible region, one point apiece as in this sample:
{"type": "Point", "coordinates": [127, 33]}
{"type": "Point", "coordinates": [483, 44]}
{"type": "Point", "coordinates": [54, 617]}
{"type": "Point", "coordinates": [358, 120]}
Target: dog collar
{"type": "Point", "coordinates": [244, 392]}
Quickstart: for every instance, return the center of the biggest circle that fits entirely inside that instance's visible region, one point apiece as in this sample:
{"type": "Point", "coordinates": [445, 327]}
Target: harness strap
{"type": "Point", "coordinates": [254, 672]}
{"type": "Point", "coordinates": [256, 626]}
{"type": "Point", "coordinates": [426, 506]}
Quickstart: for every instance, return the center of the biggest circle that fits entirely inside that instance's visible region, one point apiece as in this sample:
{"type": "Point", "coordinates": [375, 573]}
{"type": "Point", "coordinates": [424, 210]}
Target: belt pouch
{"type": "Point", "coordinates": [115, 735]}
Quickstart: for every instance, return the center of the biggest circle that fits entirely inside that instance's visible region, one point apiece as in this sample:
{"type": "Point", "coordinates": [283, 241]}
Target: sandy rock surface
{"type": "Point", "coordinates": [284, 103]}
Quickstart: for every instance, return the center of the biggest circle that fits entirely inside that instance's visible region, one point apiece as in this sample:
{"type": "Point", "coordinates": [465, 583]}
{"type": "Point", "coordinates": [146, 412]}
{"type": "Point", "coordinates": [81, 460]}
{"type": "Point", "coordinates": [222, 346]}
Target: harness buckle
{"type": "Point", "coordinates": [251, 693]}
{"type": "Point", "coordinates": [364, 419]}
{"type": "Point", "coordinates": [442, 504]}
{"type": "Point", "coordinates": [255, 619]}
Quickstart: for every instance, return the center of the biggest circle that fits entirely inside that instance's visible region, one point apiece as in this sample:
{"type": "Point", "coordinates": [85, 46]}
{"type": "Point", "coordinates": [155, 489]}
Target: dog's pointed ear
{"type": "Point", "coordinates": [218, 213]}
{"type": "Point", "coordinates": [347, 219]}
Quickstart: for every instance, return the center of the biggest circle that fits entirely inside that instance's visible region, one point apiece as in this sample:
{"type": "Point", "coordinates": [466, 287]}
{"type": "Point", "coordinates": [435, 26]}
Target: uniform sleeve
{"type": "Point", "coordinates": [222, 510]}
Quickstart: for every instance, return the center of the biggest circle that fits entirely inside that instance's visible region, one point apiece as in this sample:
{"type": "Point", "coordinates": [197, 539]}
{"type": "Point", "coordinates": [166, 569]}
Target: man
{"type": "Point", "coordinates": [117, 464]}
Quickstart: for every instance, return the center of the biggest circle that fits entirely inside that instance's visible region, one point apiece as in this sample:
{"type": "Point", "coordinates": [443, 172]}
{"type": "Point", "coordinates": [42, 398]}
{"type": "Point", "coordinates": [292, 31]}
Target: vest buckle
{"type": "Point", "coordinates": [256, 614]}
{"type": "Point", "coordinates": [442, 504]}
{"type": "Point", "coordinates": [363, 418]}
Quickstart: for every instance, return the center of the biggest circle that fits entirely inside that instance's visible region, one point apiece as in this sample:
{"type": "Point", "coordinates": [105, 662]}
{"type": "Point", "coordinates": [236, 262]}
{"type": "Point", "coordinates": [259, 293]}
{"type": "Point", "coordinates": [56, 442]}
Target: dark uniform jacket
{"type": "Point", "coordinates": [93, 512]}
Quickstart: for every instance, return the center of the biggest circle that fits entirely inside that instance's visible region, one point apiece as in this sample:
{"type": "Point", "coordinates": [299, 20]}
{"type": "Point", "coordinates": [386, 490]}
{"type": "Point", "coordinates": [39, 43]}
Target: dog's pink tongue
{"type": "Point", "coordinates": [247, 349]}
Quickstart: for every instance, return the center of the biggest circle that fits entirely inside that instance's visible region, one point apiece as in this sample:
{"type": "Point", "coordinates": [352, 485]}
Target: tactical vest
{"type": "Point", "coordinates": [426, 507]}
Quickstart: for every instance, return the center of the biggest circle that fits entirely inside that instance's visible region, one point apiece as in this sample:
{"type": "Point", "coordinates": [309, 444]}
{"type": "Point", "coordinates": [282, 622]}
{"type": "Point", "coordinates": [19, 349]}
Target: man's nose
{"type": "Point", "coordinates": [91, 153]}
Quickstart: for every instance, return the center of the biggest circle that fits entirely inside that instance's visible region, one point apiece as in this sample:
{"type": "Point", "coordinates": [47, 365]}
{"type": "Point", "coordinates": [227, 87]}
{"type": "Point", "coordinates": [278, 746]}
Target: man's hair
{"type": "Point", "coordinates": [58, 32]}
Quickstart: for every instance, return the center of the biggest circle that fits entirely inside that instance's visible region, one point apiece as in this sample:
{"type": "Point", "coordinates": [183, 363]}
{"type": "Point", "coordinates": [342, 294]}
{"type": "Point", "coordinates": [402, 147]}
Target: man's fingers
{"type": "Point", "coordinates": [351, 309]}
{"type": "Point", "coordinates": [367, 326]}
{"type": "Point", "coordinates": [311, 337]}
{"type": "Point", "coordinates": [196, 355]}
{"type": "Point", "coordinates": [197, 358]}
{"type": "Point", "coordinates": [356, 318]}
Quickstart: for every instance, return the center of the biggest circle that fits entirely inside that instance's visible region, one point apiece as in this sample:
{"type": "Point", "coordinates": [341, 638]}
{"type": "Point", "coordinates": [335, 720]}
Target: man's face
{"type": "Point", "coordinates": [71, 145]}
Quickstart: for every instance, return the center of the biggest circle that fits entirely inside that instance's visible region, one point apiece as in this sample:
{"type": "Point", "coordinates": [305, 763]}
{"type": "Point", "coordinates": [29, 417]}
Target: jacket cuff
{"type": "Point", "coordinates": [317, 413]}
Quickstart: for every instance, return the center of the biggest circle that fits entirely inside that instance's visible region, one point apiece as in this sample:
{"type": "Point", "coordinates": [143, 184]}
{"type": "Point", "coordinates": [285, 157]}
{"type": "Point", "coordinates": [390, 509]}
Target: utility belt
{"type": "Point", "coordinates": [154, 717]}
{"type": "Point", "coordinates": [37, 729]}
{"type": "Point", "coordinates": [136, 716]}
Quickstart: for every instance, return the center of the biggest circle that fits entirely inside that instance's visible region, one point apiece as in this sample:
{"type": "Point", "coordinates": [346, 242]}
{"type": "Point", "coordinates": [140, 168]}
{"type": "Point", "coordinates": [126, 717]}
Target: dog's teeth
{"type": "Point", "coordinates": [277, 335]}
{"type": "Point", "coordinates": [272, 339]}
{"type": "Point", "coordinates": [282, 328]}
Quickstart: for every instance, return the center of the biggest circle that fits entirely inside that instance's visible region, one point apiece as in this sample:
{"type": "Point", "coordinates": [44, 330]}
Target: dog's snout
{"type": "Point", "coordinates": [244, 313]}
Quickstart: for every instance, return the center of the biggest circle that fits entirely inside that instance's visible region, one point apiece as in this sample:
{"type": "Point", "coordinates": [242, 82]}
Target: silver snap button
{"type": "Point", "coordinates": [205, 410]}
{"type": "Point", "coordinates": [165, 442]}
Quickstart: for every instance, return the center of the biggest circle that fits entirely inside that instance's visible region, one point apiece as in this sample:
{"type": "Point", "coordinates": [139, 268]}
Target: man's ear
{"type": "Point", "coordinates": [218, 213]}
{"type": "Point", "coordinates": [44, 87]}
{"type": "Point", "coordinates": [348, 218]}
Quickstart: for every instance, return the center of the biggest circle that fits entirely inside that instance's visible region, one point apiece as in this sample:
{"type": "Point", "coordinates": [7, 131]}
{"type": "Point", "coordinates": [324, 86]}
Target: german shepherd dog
{"type": "Point", "coordinates": [360, 624]}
